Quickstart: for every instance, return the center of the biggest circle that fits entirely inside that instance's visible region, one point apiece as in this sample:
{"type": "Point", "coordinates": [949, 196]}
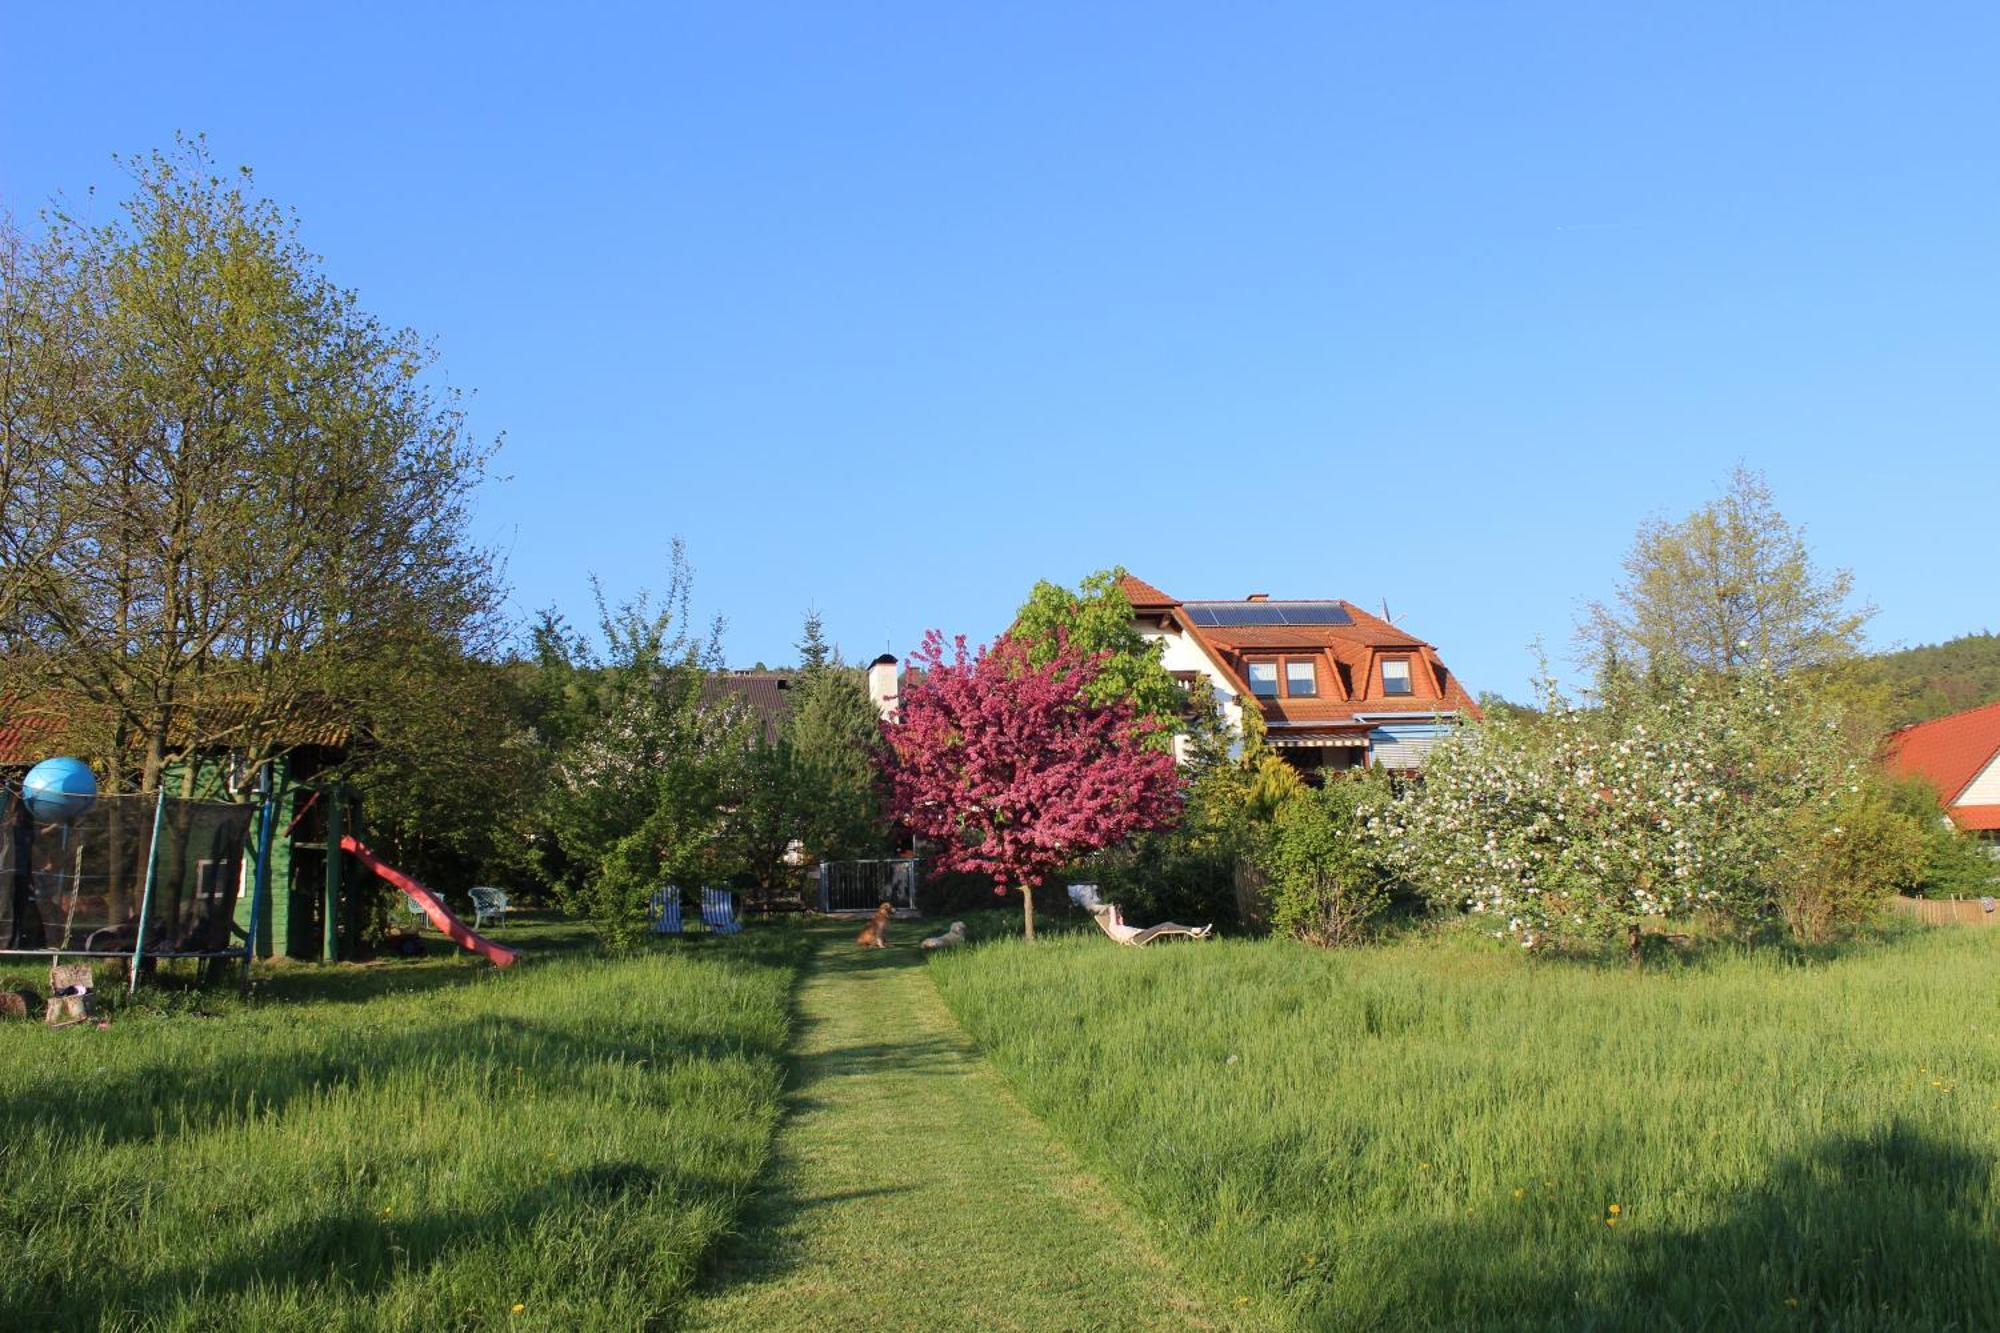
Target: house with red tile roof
{"type": "Point", "coordinates": [1960, 756]}
{"type": "Point", "coordinates": [1336, 687]}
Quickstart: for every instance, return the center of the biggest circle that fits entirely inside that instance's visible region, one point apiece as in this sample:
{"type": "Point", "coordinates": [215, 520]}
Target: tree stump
{"type": "Point", "coordinates": [18, 1003]}
{"type": "Point", "coordinates": [72, 996]}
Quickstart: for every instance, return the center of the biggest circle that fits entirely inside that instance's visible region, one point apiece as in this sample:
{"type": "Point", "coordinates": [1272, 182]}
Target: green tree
{"type": "Point", "coordinates": [1729, 586]}
{"type": "Point", "coordinates": [815, 653]}
{"type": "Point", "coordinates": [234, 502]}
{"type": "Point", "coordinates": [1097, 618]}
{"type": "Point", "coordinates": [836, 740]}
{"type": "Point", "coordinates": [640, 793]}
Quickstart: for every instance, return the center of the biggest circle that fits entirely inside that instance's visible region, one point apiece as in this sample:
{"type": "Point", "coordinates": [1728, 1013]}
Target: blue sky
{"type": "Point", "coordinates": [894, 309]}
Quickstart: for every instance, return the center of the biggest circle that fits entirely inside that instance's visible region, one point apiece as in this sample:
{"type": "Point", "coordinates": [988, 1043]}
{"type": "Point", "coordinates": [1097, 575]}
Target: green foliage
{"type": "Point", "coordinates": [641, 786]}
{"type": "Point", "coordinates": [1325, 873]}
{"type": "Point", "coordinates": [835, 735]}
{"type": "Point", "coordinates": [810, 794]}
{"type": "Point", "coordinates": [1097, 618]}
{"type": "Point", "coordinates": [233, 505]}
{"type": "Point", "coordinates": [1431, 1134]}
{"type": "Point", "coordinates": [1954, 864]}
{"type": "Point", "coordinates": [1729, 586]}
{"type": "Point", "coordinates": [1843, 861]}
{"type": "Point", "coordinates": [1931, 681]}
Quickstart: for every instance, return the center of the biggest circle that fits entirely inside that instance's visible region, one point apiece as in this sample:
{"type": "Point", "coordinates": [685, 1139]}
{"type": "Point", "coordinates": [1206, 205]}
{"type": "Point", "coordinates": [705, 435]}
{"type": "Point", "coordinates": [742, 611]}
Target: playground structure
{"type": "Point", "coordinates": [144, 878]}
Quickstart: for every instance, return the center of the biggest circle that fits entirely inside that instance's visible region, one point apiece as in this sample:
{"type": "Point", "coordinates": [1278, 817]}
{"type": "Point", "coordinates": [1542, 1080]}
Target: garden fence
{"type": "Point", "coordinates": [859, 886]}
{"type": "Point", "coordinates": [1950, 911]}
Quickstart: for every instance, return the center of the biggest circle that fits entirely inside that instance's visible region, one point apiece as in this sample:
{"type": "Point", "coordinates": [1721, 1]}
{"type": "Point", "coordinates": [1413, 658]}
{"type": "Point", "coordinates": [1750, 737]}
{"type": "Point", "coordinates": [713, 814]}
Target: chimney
{"type": "Point", "coordinates": [1258, 597]}
{"type": "Point", "coordinates": [882, 687]}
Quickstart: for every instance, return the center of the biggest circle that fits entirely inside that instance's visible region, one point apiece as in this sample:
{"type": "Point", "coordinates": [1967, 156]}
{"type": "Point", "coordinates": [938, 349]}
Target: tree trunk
{"type": "Point", "coordinates": [1633, 939]}
{"type": "Point", "coordinates": [1028, 910]}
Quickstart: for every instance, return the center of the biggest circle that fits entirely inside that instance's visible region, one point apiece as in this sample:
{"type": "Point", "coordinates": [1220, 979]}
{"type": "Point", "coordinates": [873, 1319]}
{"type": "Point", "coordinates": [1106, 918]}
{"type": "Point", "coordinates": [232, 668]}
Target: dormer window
{"type": "Point", "coordinates": [1396, 675]}
{"type": "Point", "coordinates": [1264, 679]}
{"type": "Point", "coordinates": [1301, 681]}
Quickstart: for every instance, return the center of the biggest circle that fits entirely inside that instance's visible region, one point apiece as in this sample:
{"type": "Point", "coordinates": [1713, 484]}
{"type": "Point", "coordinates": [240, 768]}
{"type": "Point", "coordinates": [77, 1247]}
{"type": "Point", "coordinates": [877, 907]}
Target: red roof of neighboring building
{"type": "Point", "coordinates": [24, 740]}
{"type": "Point", "coordinates": [1949, 752]}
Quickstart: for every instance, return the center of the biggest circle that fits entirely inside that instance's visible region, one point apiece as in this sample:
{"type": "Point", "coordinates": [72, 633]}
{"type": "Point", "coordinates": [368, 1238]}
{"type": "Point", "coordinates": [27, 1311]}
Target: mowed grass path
{"type": "Point", "coordinates": [1437, 1134]}
{"type": "Point", "coordinates": [428, 1145]}
{"type": "Point", "coordinates": [909, 1190]}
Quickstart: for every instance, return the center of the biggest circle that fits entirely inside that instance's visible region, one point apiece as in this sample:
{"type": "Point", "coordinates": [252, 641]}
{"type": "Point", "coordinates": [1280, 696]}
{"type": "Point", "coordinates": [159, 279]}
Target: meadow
{"type": "Point", "coordinates": [428, 1144]}
{"type": "Point", "coordinates": [1440, 1132]}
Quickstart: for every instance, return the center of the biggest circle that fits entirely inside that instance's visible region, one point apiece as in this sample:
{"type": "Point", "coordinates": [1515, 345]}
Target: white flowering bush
{"type": "Point", "coordinates": [1664, 799]}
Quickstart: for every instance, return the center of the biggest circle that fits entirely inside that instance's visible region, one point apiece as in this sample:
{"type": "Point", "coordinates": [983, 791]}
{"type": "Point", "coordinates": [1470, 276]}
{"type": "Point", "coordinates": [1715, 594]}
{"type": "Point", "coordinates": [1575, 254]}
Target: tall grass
{"type": "Point", "coordinates": [408, 1146]}
{"type": "Point", "coordinates": [1439, 1134]}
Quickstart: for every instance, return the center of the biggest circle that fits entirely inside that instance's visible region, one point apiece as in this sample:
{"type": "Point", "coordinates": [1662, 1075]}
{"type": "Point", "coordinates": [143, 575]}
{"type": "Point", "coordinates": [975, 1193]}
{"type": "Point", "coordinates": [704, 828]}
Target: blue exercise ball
{"type": "Point", "coordinates": [57, 791]}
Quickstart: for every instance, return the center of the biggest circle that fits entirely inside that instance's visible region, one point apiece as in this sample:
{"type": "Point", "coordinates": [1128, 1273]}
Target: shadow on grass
{"type": "Point", "coordinates": [1891, 1230]}
{"type": "Point", "coordinates": [357, 1254]}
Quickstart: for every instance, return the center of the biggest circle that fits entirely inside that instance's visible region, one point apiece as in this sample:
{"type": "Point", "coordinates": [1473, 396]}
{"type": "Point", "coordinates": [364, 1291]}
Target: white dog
{"type": "Point", "coordinates": [951, 938]}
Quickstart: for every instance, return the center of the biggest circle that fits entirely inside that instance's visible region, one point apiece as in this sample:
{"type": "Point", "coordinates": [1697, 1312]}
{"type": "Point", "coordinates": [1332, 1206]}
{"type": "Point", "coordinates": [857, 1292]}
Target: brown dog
{"type": "Point", "coordinates": [875, 935]}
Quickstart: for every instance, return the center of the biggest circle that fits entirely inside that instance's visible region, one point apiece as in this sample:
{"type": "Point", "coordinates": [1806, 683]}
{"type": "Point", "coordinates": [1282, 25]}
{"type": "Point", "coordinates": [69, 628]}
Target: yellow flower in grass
{"type": "Point", "coordinates": [518, 1308]}
{"type": "Point", "coordinates": [1617, 1209]}
{"type": "Point", "coordinates": [1521, 1193]}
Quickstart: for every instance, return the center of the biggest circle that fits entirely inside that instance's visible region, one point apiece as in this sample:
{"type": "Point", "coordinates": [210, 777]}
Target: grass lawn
{"type": "Point", "coordinates": [430, 1144]}
{"type": "Point", "coordinates": [910, 1191]}
{"type": "Point", "coordinates": [1437, 1133]}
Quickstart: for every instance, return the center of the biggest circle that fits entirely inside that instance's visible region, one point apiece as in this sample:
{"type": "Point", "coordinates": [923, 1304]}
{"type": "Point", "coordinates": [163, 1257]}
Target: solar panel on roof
{"type": "Point", "coordinates": [1238, 615]}
{"type": "Point", "coordinates": [1316, 613]}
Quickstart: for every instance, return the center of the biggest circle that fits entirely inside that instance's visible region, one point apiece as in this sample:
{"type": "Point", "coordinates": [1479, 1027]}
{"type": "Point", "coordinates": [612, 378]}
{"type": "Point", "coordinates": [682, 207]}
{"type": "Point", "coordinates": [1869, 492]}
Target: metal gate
{"type": "Point", "coordinates": [858, 886]}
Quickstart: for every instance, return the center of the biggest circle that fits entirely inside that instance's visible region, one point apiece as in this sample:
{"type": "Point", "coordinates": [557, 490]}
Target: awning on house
{"type": "Point", "coordinates": [1318, 742]}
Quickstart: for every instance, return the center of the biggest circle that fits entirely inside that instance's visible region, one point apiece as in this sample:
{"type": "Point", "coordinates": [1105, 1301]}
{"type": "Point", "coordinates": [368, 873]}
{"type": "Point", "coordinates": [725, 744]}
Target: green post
{"type": "Point", "coordinates": [146, 897]}
{"type": "Point", "coordinates": [330, 917]}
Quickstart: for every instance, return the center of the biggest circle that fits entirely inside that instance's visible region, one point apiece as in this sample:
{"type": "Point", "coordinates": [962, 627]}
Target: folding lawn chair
{"type": "Point", "coordinates": [667, 911]}
{"type": "Point", "coordinates": [718, 911]}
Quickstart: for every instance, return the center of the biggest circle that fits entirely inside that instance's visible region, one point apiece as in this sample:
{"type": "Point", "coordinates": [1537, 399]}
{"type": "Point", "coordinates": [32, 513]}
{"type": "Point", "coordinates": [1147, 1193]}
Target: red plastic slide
{"type": "Point", "coordinates": [441, 916]}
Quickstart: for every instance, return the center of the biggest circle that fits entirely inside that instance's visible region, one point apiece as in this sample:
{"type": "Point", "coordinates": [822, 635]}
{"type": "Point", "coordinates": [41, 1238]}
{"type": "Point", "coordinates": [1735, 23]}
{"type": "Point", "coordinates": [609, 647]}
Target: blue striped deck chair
{"type": "Point", "coordinates": [667, 911]}
{"type": "Point", "coordinates": [718, 911]}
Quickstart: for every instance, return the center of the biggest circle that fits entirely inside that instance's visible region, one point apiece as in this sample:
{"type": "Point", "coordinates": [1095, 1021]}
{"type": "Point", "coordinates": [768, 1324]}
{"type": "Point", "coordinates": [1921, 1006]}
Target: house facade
{"type": "Point", "coordinates": [1960, 756]}
{"type": "Point", "coordinates": [1336, 687]}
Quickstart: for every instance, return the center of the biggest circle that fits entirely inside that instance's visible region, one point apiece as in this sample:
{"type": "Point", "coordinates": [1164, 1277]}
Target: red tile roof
{"type": "Point", "coordinates": [1977, 818]}
{"type": "Point", "coordinates": [24, 739]}
{"type": "Point", "coordinates": [1143, 594]}
{"type": "Point", "coordinates": [1348, 657]}
{"type": "Point", "coordinates": [1949, 751]}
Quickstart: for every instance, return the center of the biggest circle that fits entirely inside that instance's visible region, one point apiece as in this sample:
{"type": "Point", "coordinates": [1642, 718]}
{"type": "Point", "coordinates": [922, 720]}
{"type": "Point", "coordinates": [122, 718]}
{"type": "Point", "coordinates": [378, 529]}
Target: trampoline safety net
{"type": "Point", "coordinates": [80, 887]}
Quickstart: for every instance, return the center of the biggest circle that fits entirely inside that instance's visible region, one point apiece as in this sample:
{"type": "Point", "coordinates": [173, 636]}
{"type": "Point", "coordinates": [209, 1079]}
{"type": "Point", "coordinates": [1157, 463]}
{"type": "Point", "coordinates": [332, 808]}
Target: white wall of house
{"type": "Point", "coordinates": [1181, 653]}
{"type": "Point", "coordinates": [1985, 788]}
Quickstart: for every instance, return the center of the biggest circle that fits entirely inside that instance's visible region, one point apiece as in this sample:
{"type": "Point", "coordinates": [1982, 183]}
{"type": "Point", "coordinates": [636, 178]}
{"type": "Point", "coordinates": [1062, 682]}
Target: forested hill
{"type": "Point", "coordinates": [1938, 678]}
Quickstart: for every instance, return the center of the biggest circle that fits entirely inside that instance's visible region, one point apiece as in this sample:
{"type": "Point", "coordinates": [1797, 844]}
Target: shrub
{"type": "Point", "coordinates": [1845, 859]}
{"type": "Point", "coordinates": [1670, 797]}
{"type": "Point", "coordinates": [1955, 864]}
{"type": "Point", "coordinates": [1324, 877]}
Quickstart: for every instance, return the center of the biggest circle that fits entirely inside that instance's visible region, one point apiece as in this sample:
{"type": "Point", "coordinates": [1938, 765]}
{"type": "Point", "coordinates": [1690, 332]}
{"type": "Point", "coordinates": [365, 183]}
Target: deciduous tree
{"type": "Point", "coordinates": [1010, 769]}
{"type": "Point", "coordinates": [1729, 586]}
{"type": "Point", "coordinates": [234, 500]}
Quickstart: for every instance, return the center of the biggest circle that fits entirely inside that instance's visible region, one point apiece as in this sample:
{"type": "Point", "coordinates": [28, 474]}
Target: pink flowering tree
{"type": "Point", "coordinates": [1010, 771]}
